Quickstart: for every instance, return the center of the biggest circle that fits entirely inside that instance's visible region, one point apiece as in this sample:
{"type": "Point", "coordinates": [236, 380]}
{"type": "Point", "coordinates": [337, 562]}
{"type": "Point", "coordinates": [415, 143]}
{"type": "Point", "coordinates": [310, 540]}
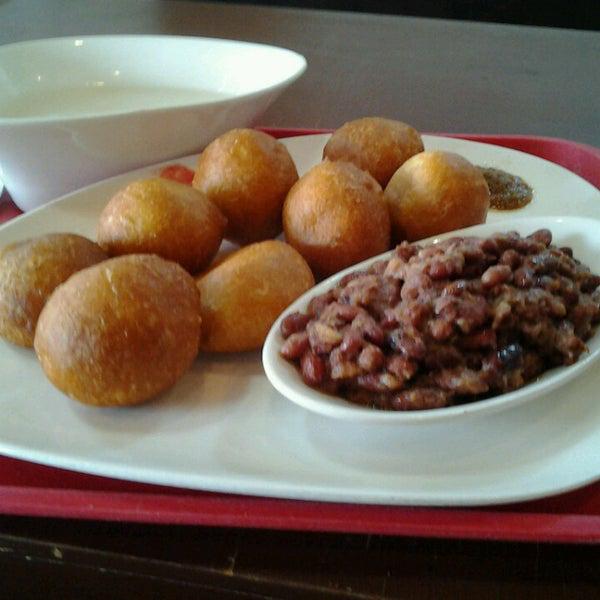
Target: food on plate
{"type": "Point", "coordinates": [446, 323]}
{"type": "Point", "coordinates": [243, 295]}
{"type": "Point", "coordinates": [507, 191]}
{"type": "Point", "coordinates": [435, 192]}
{"type": "Point", "coordinates": [120, 332]}
{"type": "Point", "coordinates": [30, 271]}
{"type": "Point", "coordinates": [247, 174]}
{"type": "Point", "coordinates": [335, 216]}
{"type": "Point", "coordinates": [374, 144]}
{"type": "Point", "coordinates": [158, 216]}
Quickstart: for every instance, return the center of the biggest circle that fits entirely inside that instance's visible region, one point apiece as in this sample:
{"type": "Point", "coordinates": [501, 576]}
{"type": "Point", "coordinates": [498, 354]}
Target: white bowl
{"type": "Point", "coordinates": [79, 109]}
{"type": "Point", "coordinates": [583, 235]}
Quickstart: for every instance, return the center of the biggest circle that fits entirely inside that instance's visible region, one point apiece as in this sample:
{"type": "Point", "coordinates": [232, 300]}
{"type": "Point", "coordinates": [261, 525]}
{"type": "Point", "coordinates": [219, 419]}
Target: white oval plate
{"type": "Point", "coordinates": [224, 427]}
{"type": "Point", "coordinates": [583, 235]}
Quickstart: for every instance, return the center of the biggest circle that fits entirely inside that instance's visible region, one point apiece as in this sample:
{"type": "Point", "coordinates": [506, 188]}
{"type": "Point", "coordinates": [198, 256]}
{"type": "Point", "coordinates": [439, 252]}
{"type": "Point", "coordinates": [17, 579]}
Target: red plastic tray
{"type": "Point", "coordinates": [34, 490]}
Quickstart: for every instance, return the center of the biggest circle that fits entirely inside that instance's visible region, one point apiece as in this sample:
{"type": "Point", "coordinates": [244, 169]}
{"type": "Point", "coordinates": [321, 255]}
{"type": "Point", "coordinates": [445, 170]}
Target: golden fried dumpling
{"type": "Point", "coordinates": [374, 144]}
{"type": "Point", "coordinates": [30, 271]}
{"type": "Point", "coordinates": [247, 174]}
{"type": "Point", "coordinates": [434, 192]}
{"type": "Point", "coordinates": [335, 216]}
{"type": "Point", "coordinates": [120, 332]}
{"type": "Point", "coordinates": [159, 216]}
{"type": "Point", "coordinates": [243, 295]}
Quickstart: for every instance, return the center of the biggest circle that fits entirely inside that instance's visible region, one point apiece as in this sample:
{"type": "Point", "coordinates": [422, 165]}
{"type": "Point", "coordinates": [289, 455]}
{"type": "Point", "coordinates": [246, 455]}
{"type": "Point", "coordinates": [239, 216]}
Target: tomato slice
{"type": "Point", "coordinates": [178, 173]}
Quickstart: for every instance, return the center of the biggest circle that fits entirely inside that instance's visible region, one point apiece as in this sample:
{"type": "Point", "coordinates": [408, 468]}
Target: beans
{"type": "Point", "coordinates": [446, 266]}
{"type": "Point", "coordinates": [511, 258]}
{"type": "Point", "coordinates": [312, 368]}
{"type": "Point", "coordinates": [369, 328]}
{"type": "Point", "coordinates": [524, 277]}
{"type": "Point", "coordinates": [294, 323]}
{"type": "Point", "coordinates": [341, 367]}
{"type": "Point", "coordinates": [421, 399]}
{"type": "Point", "coordinates": [443, 355]}
{"type": "Point", "coordinates": [414, 286]}
{"type": "Point", "coordinates": [346, 279]}
{"type": "Point", "coordinates": [371, 359]}
{"type": "Point", "coordinates": [511, 356]}
{"type": "Point", "coordinates": [544, 262]}
{"type": "Point", "coordinates": [336, 314]}
{"type": "Point", "coordinates": [496, 275]}
{"type": "Point", "coordinates": [380, 382]}
{"type": "Point", "coordinates": [318, 304]}
{"type": "Point", "coordinates": [589, 283]}
{"type": "Point", "coordinates": [402, 367]}
{"type": "Point", "coordinates": [568, 251]}
{"type": "Point", "coordinates": [479, 340]}
{"type": "Point", "coordinates": [406, 251]}
{"type": "Point", "coordinates": [446, 323]}
{"type": "Point", "coordinates": [295, 346]}
{"type": "Point", "coordinates": [407, 343]}
{"type": "Point", "coordinates": [352, 343]}
{"type": "Point", "coordinates": [322, 338]}
{"type": "Point", "coordinates": [440, 329]}
{"type": "Point", "coordinates": [542, 236]}
{"type": "Point", "coordinates": [360, 291]}
{"type": "Point", "coordinates": [461, 380]}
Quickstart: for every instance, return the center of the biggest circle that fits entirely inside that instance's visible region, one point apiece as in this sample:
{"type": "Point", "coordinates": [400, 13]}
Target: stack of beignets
{"type": "Point", "coordinates": [427, 193]}
{"type": "Point", "coordinates": [117, 332]}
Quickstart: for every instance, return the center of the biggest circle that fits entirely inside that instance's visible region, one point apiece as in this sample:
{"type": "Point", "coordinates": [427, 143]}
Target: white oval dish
{"type": "Point", "coordinates": [583, 235]}
{"type": "Point", "coordinates": [79, 109]}
{"type": "Point", "coordinates": [225, 428]}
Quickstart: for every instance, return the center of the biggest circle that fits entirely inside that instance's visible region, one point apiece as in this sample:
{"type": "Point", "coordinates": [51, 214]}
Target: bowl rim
{"type": "Point", "coordinates": [285, 378]}
{"type": "Point", "coordinates": [295, 74]}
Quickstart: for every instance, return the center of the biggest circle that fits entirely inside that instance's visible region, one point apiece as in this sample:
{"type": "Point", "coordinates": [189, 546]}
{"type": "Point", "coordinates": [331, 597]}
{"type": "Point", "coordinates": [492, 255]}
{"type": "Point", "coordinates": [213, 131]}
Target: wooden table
{"type": "Point", "coordinates": [438, 76]}
{"type": "Point", "coordinates": [84, 559]}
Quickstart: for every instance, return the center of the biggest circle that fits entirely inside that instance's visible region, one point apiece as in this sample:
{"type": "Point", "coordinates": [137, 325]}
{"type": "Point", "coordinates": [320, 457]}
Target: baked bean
{"type": "Point", "coordinates": [447, 323]}
{"type": "Point", "coordinates": [295, 345]}
{"type": "Point", "coordinates": [496, 275]}
{"type": "Point", "coordinates": [313, 368]}
{"type": "Point", "coordinates": [371, 358]}
{"type": "Point", "coordinates": [293, 323]}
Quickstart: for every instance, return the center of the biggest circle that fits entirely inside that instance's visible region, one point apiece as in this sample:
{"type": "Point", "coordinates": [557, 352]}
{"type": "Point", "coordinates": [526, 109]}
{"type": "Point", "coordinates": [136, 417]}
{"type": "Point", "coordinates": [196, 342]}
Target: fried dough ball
{"type": "Point", "coordinates": [435, 192]}
{"type": "Point", "coordinates": [247, 174]}
{"type": "Point", "coordinates": [30, 271]}
{"type": "Point", "coordinates": [243, 296]}
{"type": "Point", "coordinates": [376, 145]}
{"type": "Point", "coordinates": [335, 216]}
{"type": "Point", "coordinates": [159, 216]}
{"type": "Point", "coordinates": [120, 332]}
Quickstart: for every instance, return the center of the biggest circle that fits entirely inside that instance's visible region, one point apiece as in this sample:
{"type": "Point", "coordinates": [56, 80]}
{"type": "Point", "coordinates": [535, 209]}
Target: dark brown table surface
{"type": "Point", "coordinates": [67, 559]}
{"type": "Point", "coordinates": [439, 76]}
